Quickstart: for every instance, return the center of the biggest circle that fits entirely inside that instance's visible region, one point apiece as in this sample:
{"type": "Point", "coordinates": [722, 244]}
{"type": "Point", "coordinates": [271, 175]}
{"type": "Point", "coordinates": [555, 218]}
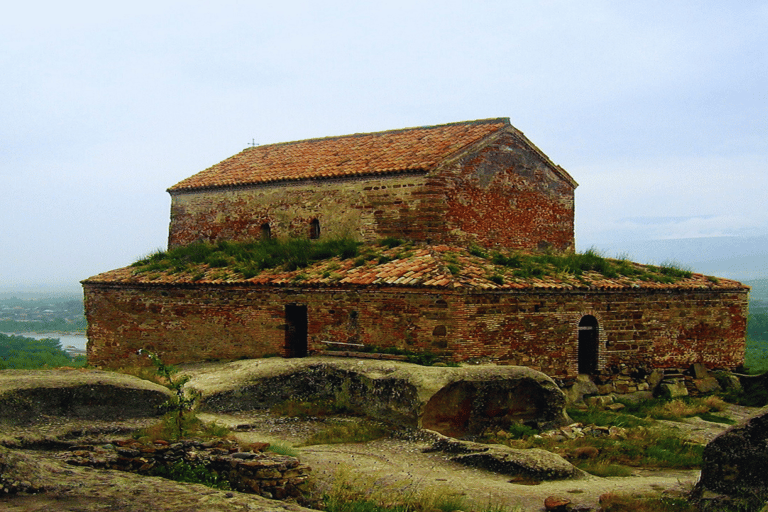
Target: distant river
{"type": "Point", "coordinates": [76, 340]}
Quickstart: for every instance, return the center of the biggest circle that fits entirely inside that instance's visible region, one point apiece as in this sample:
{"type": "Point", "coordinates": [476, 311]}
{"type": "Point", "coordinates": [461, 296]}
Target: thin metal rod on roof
{"type": "Point", "coordinates": [253, 143]}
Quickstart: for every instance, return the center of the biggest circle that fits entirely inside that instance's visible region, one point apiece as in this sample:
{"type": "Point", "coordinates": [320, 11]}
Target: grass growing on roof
{"type": "Point", "coordinates": [225, 260]}
{"type": "Point", "coordinates": [248, 258]}
{"type": "Point", "coordinates": [528, 265]}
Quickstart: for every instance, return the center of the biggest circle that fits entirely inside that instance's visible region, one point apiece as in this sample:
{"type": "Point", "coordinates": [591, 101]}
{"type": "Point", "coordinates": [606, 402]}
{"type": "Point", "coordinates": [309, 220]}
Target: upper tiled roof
{"type": "Point", "coordinates": [431, 267]}
{"type": "Point", "coordinates": [408, 149]}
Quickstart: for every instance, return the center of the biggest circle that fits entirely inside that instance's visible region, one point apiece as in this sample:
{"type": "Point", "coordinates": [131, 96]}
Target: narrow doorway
{"type": "Point", "coordinates": [296, 330]}
{"type": "Point", "coordinates": [588, 344]}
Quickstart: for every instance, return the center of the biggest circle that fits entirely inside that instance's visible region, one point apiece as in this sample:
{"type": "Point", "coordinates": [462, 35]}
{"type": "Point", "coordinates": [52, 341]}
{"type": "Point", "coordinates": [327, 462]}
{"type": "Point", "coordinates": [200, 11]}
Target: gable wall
{"type": "Point", "coordinates": [641, 329]}
{"type": "Point", "coordinates": [506, 195]}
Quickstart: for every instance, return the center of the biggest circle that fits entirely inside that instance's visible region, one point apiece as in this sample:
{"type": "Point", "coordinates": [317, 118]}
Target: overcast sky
{"type": "Point", "coordinates": [659, 109]}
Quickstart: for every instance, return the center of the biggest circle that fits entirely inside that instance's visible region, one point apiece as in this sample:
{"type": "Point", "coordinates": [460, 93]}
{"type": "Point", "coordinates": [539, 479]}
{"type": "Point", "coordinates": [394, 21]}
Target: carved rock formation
{"type": "Point", "coordinates": [453, 401]}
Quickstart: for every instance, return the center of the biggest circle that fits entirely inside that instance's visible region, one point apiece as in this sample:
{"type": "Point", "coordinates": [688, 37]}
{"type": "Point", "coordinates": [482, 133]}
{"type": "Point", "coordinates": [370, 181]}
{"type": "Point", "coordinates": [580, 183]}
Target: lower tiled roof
{"type": "Point", "coordinates": [410, 266]}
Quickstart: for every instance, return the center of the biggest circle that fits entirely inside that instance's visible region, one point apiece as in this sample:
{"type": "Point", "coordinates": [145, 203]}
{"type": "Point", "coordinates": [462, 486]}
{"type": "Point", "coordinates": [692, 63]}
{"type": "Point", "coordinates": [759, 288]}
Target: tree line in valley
{"type": "Point", "coordinates": [22, 353]}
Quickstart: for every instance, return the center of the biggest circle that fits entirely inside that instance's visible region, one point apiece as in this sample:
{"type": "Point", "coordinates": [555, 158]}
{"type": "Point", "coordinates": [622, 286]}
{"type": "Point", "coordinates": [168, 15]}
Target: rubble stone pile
{"type": "Point", "coordinates": [250, 470]}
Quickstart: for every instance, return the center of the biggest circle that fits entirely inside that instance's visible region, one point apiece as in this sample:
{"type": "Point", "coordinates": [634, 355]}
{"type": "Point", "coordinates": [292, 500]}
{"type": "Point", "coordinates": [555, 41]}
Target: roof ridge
{"type": "Point", "coordinates": [354, 155]}
{"type": "Point", "coordinates": [497, 120]}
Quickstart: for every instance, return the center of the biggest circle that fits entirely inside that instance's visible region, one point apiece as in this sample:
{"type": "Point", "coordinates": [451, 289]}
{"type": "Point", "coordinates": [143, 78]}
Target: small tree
{"type": "Point", "coordinates": [180, 403]}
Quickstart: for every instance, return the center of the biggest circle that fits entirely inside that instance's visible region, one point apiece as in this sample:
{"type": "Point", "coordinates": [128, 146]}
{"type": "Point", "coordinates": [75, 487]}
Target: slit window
{"type": "Point", "coordinates": [314, 229]}
{"type": "Point", "coordinates": [266, 231]}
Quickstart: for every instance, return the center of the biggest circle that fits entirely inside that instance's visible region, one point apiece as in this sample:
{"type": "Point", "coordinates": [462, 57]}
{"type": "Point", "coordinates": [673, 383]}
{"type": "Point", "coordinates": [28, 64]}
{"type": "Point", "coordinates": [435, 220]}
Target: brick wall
{"type": "Point", "coordinates": [640, 329]}
{"type": "Point", "coordinates": [500, 193]}
{"type": "Point", "coordinates": [352, 207]}
{"type": "Point", "coordinates": [507, 196]}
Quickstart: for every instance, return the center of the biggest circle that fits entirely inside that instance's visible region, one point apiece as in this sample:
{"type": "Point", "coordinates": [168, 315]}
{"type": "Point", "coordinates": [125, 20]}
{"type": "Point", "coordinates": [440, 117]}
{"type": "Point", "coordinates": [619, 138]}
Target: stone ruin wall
{"type": "Point", "coordinates": [639, 329]}
{"type": "Point", "coordinates": [525, 206]}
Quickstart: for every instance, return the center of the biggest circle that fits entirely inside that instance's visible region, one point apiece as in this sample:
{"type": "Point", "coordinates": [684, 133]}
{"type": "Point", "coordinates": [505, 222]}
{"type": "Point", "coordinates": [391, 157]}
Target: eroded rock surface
{"type": "Point", "coordinates": [87, 394]}
{"type": "Point", "coordinates": [59, 486]}
{"type": "Point", "coordinates": [734, 472]}
{"type": "Point", "coordinates": [533, 463]}
{"type": "Point", "coordinates": [453, 401]}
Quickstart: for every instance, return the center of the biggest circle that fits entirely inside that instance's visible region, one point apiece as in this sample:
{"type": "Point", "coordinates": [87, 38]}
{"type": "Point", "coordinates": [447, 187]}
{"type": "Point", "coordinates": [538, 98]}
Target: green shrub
{"type": "Point", "coordinates": [183, 471]}
{"type": "Point", "coordinates": [496, 278]}
{"type": "Point", "coordinates": [390, 242]}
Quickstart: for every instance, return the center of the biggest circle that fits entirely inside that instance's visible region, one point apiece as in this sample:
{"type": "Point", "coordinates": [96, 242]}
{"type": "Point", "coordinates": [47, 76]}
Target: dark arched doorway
{"type": "Point", "coordinates": [588, 343]}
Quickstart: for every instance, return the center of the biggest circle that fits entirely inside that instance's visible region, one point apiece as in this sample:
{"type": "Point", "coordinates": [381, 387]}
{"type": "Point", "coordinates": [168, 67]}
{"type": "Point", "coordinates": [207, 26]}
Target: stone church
{"type": "Point", "coordinates": [455, 195]}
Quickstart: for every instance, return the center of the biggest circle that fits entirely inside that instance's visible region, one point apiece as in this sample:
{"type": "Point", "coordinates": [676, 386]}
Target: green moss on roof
{"type": "Point", "coordinates": [349, 264]}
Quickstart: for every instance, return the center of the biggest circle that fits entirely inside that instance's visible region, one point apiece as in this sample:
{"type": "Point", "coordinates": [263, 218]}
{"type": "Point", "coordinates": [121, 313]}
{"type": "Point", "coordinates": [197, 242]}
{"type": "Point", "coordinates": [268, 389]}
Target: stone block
{"type": "Point", "coordinates": [673, 389]}
{"type": "Point", "coordinates": [599, 401]}
{"type": "Point", "coordinates": [606, 389]}
{"type": "Point", "coordinates": [700, 371]}
{"type": "Point", "coordinates": [707, 385]}
{"type": "Point", "coordinates": [655, 378]}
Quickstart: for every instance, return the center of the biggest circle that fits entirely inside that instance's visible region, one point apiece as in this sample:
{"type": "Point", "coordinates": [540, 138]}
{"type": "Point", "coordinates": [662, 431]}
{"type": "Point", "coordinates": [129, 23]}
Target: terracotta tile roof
{"type": "Point", "coordinates": [408, 267]}
{"type": "Point", "coordinates": [393, 151]}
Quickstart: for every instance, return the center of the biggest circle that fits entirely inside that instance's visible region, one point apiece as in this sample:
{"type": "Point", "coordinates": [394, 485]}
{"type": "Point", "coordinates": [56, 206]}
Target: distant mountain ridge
{"type": "Point", "coordinates": [740, 258]}
{"type": "Point", "coordinates": [758, 295]}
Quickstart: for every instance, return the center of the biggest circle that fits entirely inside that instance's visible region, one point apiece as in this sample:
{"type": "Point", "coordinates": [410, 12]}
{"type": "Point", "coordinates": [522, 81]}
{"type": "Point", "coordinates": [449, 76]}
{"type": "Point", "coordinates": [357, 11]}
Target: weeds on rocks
{"type": "Point", "coordinates": [675, 409]}
{"type": "Point", "coordinates": [612, 451]}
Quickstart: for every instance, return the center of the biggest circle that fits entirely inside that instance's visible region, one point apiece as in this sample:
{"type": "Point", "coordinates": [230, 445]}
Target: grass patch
{"type": "Point", "coordinates": [282, 449]}
{"type": "Point", "coordinates": [167, 429]}
{"type": "Point", "coordinates": [604, 469]}
{"type": "Point", "coordinates": [351, 492]}
{"type": "Point", "coordinates": [361, 431]}
{"type": "Point", "coordinates": [525, 265]}
{"type": "Point", "coordinates": [664, 409]}
{"type": "Point", "coordinates": [604, 418]}
{"type": "Point", "coordinates": [183, 471]}
{"type": "Point", "coordinates": [637, 446]}
{"type": "Point", "coordinates": [248, 258]}
{"type": "Point", "coordinates": [631, 503]}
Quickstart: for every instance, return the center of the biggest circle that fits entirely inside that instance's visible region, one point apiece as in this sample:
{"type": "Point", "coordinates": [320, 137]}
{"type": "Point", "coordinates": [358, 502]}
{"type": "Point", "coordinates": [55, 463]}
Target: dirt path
{"type": "Point", "coordinates": [402, 464]}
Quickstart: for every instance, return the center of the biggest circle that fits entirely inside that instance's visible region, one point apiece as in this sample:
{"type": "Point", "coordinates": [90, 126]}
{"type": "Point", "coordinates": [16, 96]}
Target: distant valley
{"type": "Point", "coordinates": [739, 258]}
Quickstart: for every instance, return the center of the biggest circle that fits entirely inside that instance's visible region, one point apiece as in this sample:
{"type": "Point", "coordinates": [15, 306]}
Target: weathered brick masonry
{"type": "Point", "coordinates": [443, 189]}
{"type": "Point", "coordinates": [641, 329]}
{"type": "Point", "coordinates": [497, 193]}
